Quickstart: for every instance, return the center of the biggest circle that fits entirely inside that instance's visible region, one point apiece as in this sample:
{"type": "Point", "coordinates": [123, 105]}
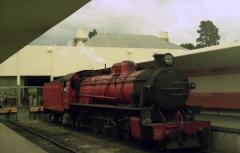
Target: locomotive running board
{"type": "Point", "coordinates": [104, 106]}
{"type": "Point", "coordinates": [143, 113]}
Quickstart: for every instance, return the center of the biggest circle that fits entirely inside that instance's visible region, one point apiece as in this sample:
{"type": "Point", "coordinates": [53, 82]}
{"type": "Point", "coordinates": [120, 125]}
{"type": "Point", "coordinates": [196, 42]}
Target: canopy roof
{"type": "Point", "coordinates": [23, 21]}
{"type": "Point", "coordinates": [225, 55]}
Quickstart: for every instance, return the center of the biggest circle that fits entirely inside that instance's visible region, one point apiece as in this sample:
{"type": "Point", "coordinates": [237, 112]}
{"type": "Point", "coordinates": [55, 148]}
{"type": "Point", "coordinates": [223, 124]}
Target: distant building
{"type": "Point", "coordinates": [130, 41]}
{"type": "Point", "coordinates": [34, 65]}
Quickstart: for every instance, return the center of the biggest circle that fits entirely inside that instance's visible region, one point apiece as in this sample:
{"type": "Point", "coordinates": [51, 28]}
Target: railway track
{"type": "Point", "coordinates": [55, 143]}
{"type": "Point", "coordinates": [48, 144]}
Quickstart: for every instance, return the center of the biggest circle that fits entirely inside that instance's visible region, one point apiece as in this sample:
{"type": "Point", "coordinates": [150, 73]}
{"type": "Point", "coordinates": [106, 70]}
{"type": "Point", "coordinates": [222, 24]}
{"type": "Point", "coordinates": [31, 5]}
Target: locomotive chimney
{"type": "Point", "coordinates": [163, 59]}
{"type": "Point", "coordinates": [158, 58]}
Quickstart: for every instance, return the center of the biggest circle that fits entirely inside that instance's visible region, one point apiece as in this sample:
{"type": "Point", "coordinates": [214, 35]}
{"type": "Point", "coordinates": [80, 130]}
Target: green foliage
{"type": "Point", "coordinates": [188, 46]}
{"type": "Point", "coordinates": [92, 33]}
{"type": "Point", "coordinates": [208, 34]}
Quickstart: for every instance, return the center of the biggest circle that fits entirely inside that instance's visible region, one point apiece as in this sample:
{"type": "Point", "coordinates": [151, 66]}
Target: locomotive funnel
{"type": "Point", "coordinates": [164, 59]}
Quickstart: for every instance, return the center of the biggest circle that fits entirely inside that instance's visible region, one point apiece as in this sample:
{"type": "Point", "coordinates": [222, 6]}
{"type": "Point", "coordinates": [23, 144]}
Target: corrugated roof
{"type": "Point", "coordinates": [130, 41]}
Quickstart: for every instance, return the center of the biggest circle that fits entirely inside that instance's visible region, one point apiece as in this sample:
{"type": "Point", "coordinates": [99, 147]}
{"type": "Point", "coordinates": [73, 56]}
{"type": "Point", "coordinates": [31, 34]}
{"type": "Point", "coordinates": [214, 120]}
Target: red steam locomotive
{"type": "Point", "coordinates": [127, 101]}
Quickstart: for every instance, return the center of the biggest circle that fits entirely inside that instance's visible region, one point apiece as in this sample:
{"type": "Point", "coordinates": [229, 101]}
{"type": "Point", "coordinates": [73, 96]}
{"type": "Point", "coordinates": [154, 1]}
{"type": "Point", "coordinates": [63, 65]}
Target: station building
{"type": "Point", "coordinates": [23, 74]}
{"type": "Point", "coordinates": [34, 65]}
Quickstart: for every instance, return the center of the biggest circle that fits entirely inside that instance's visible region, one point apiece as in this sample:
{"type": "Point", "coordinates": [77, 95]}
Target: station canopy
{"type": "Point", "coordinates": [22, 21]}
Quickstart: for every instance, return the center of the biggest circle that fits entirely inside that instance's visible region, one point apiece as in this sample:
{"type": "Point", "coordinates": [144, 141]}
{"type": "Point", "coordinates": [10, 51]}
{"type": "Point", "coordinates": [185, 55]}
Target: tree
{"type": "Point", "coordinates": [188, 46]}
{"type": "Point", "coordinates": [92, 33]}
{"type": "Point", "coordinates": [208, 34]}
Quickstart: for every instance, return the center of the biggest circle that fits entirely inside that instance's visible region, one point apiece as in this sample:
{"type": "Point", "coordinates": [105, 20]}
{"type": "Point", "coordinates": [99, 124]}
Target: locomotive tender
{"type": "Point", "coordinates": [127, 101]}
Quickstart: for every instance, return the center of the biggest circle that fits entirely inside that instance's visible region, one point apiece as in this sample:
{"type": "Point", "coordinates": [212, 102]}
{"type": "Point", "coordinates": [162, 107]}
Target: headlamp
{"type": "Point", "coordinates": [164, 59]}
{"type": "Point", "coordinates": [168, 59]}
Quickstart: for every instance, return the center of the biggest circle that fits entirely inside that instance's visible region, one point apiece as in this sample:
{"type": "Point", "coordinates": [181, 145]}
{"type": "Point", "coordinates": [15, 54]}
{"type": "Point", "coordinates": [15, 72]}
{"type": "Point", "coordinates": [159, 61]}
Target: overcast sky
{"type": "Point", "coordinates": [180, 18]}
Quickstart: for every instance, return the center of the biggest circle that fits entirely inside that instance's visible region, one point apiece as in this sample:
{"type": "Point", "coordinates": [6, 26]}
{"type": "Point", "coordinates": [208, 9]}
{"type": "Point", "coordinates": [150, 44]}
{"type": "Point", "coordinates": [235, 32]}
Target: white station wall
{"type": "Point", "coordinates": [38, 60]}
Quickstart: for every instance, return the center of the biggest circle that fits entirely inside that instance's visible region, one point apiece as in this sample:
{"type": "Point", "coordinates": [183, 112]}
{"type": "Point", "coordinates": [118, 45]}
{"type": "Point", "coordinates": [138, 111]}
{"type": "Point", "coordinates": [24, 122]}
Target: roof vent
{"type": "Point", "coordinates": [81, 37]}
{"type": "Point", "coordinates": [81, 34]}
{"type": "Point", "coordinates": [164, 36]}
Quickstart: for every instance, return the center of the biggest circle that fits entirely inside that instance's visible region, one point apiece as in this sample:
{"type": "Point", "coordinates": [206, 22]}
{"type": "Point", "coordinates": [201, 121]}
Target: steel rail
{"type": "Point", "coordinates": [45, 138]}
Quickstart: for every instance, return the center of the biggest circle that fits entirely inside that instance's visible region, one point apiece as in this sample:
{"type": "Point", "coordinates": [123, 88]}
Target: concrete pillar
{"type": "Point", "coordinates": [19, 96]}
{"type": "Point", "coordinates": [18, 79]}
{"type": "Point", "coordinates": [22, 111]}
{"type": "Point", "coordinates": [51, 78]}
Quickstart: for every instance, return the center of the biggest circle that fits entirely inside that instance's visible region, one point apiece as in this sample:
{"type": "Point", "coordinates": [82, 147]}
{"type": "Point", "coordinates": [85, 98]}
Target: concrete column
{"type": "Point", "coordinates": [18, 95]}
{"type": "Point", "coordinates": [22, 111]}
{"type": "Point", "coordinates": [18, 79]}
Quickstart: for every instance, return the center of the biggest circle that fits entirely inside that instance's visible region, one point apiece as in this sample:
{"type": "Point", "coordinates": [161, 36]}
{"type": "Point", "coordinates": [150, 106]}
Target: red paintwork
{"type": "Point", "coordinates": [53, 97]}
{"type": "Point", "coordinates": [56, 98]}
{"type": "Point", "coordinates": [221, 100]}
{"type": "Point", "coordinates": [135, 127]}
{"type": "Point", "coordinates": [116, 87]}
{"type": "Point", "coordinates": [161, 130]}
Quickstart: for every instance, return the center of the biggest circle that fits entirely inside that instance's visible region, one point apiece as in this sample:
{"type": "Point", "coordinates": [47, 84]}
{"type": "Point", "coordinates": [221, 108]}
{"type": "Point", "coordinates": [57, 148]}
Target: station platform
{"type": "Point", "coordinates": [224, 122]}
{"type": "Point", "coordinates": [11, 142]}
{"type": "Point", "coordinates": [225, 137]}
